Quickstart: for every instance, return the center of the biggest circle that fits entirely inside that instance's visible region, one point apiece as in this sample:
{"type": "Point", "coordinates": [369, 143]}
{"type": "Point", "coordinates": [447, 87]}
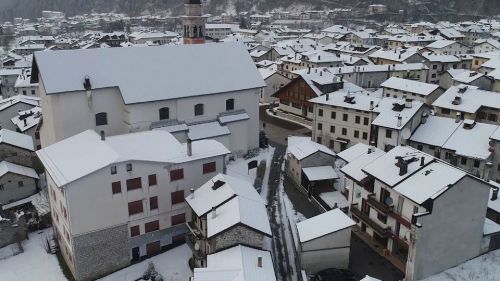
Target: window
{"type": "Point", "coordinates": [345, 117]}
{"type": "Point", "coordinates": [344, 131]}
{"type": "Point", "coordinates": [198, 109]}
{"type": "Point", "coordinates": [135, 207]}
{"type": "Point", "coordinates": [101, 119]}
{"type": "Point", "coordinates": [381, 217]}
{"type": "Point", "coordinates": [129, 167]}
{"type": "Point", "coordinates": [176, 175]}
{"type": "Point", "coordinates": [366, 121]}
{"type": "Point", "coordinates": [320, 112]}
{"type": "Point", "coordinates": [356, 134]}
{"type": "Point", "coordinates": [463, 160]}
{"type": "Point", "coordinates": [152, 226]}
{"type": "Point", "coordinates": [332, 129]}
{"type": "Point", "coordinates": [476, 163]}
{"type": "Point", "coordinates": [24, 92]}
{"type": "Point", "coordinates": [113, 170]}
{"type": "Point", "coordinates": [116, 187]}
{"type": "Point", "coordinates": [357, 119]}
{"type": "Point", "coordinates": [420, 147]}
{"type": "Point", "coordinates": [152, 180]}
{"type": "Point", "coordinates": [209, 167]}
{"type": "Point", "coordinates": [153, 203]}
{"type": "Point", "coordinates": [333, 115]}
{"type": "Point", "coordinates": [1, 187]}
{"type": "Point", "coordinates": [415, 209]}
{"type": "Point", "coordinates": [135, 183]}
{"type": "Point", "coordinates": [388, 133]}
{"type": "Point", "coordinates": [332, 144]}
{"type": "Point", "coordinates": [319, 140]}
{"type": "Point", "coordinates": [135, 231]}
{"type": "Point", "coordinates": [320, 126]}
{"type": "Point", "coordinates": [365, 135]}
{"type": "Point", "coordinates": [32, 92]}
{"type": "Point", "coordinates": [492, 117]}
{"type": "Point", "coordinates": [229, 104]}
{"type": "Point", "coordinates": [164, 113]}
{"type": "Point", "coordinates": [177, 197]}
{"type": "Point", "coordinates": [20, 183]}
{"type": "Point", "coordinates": [178, 219]}
{"type": "Point", "coordinates": [434, 66]}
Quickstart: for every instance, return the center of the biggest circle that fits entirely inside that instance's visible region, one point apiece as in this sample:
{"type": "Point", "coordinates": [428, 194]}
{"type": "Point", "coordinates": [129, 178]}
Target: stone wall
{"type": "Point", "coordinates": [101, 252]}
{"type": "Point", "coordinates": [8, 230]}
{"type": "Point", "coordinates": [237, 235]}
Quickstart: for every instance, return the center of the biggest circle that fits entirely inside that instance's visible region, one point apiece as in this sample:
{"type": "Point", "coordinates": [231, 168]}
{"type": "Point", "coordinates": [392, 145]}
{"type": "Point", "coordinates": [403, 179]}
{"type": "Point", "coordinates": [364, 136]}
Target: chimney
{"type": "Point", "coordinates": [494, 194]}
{"type": "Point", "coordinates": [422, 161]}
{"type": "Point", "coordinates": [259, 261]}
{"type": "Point", "coordinates": [189, 147]}
{"type": "Point", "coordinates": [192, 193]}
{"type": "Point", "coordinates": [214, 212]}
{"type": "Point", "coordinates": [400, 121]}
{"type": "Point", "coordinates": [403, 167]}
{"type": "Point", "coordinates": [372, 105]}
{"type": "Point", "coordinates": [408, 103]}
{"type": "Point", "coordinates": [103, 136]}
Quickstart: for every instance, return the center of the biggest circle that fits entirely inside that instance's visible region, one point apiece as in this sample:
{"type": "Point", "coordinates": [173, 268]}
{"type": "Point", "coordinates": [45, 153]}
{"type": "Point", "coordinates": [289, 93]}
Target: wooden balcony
{"type": "Point", "coordinates": [400, 219]}
{"type": "Point", "coordinates": [382, 231]}
{"type": "Point", "coordinates": [382, 207]}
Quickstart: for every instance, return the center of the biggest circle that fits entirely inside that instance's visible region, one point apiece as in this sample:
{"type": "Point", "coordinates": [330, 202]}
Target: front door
{"type": "Point", "coordinates": [136, 254]}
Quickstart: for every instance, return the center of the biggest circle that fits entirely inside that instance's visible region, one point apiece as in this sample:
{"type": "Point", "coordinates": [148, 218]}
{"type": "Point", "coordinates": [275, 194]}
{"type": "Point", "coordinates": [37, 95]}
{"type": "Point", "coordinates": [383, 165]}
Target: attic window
{"type": "Point", "coordinates": [218, 184]}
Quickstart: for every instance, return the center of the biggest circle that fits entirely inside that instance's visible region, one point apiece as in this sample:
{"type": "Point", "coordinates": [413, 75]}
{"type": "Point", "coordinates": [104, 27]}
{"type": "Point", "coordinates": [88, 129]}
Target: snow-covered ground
{"type": "Point", "coordinates": [33, 264]}
{"type": "Point", "coordinates": [482, 268]}
{"type": "Point", "coordinates": [172, 265]}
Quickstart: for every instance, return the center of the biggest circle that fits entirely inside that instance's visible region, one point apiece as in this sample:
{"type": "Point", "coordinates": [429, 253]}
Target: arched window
{"type": "Point", "coordinates": [101, 119]}
{"type": "Point", "coordinates": [164, 113]}
{"type": "Point", "coordinates": [229, 104]}
{"type": "Point", "coordinates": [198, 109]}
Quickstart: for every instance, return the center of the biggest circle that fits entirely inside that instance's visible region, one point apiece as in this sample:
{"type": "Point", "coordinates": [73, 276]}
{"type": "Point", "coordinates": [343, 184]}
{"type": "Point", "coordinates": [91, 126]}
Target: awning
{"type": "Point", "coordinates": [320, 173]}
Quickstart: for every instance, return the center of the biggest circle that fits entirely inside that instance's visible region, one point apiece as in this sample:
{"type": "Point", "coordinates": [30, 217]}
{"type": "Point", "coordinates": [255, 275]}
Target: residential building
{"type": "Point", "coordinates": [10, 108]}
{"type": "Point", "coordinates": [274, 82]}
{"type": "Point", "coordinates": [189, 86]}
{"type": "Point", "coordinates": [8, 78]}
{"type": "Point", "coordinates": [406, 210]}
{"type": "Point", "coordinates": [226, 212]}
{"type": "Point", "coordinates": [456, 77]}
{"type": "Point", "coordinates": [135, 183]}
{"type": "Point", "coordinates": [486, 46]}
{"type": "Point", "coordinates": [16, 182]}
{"type": "Point", "coordinates": [17, 148]}
{"type": "Point", "coordinates": [447, 47]}
{"type": "Point", "coordinates": [396, 56]}
{"type": "Point", "coordinates": [439, 64]}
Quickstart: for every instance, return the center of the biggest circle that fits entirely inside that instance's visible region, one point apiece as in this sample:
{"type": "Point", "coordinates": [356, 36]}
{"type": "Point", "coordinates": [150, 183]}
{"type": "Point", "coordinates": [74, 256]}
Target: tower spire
{"type": "Point", "coordinates": [193, 23]}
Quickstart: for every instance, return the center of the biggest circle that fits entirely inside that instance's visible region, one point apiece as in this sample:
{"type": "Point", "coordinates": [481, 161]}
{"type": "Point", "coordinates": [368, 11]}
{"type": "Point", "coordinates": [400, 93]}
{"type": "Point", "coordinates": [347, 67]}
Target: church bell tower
{"type": "Point", "coordinates": [193, 23]}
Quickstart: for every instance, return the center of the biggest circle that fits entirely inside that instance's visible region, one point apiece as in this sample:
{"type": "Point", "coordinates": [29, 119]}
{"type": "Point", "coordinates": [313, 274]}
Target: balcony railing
{"type": "Point", "coordinates": [400, 219]}
{"type": "Point", "coordinates": [382, 231]}
{"type": "Point", "coordinates": [193, 228]}
{"type": "Point", "coordinates": [372, 201]}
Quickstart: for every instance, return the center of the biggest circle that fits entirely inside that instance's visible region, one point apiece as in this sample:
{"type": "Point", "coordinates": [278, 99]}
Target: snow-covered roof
{"type": "Point", "coordinates": [353, 169]}
{"type": "Point", "coordinates": [6, 103]}
{"type": "Point", "coordinates": [168, 72]}
{"type": "Point", "coordinates": [369, 278]}
{"type": "Point", "coordinates": [436, 131]}
{"type": "Point", "coordinates": [384, 167]}
{"type": "Point", "coordinates": [239, 211]}
{"type": "Point", "coordinates": [388, 117]}
{"type": "Point", "coordinates": [239, 263]}
{"type": "Point", "coordinates": [472, 142]}
{"type": "Point", "coordinates": [361, 99]}
{"type": "Point", "coordinates": [471, 99]}
{"type": "Point", "coordinates": [353, 152]}
{"type": "Point", "coordinates": [320, 173]}
{"type": "Point", "coordinates": [323, 224]}
{"type": "Point", "coordinates": [440, 44]}
{"type": "Point", "coordinates": [32, 117]}
{"type": "Point", "coordinates": [490, 227]}
{"type": "Point", "coordinates": [433, 179]}
{"type": "Point", "coordinates": [85, 153]}
{"type": "Point", "coordinates": [207, 130]}
{"type": "Point", "coordinates": [7, 167]}
{"type": "Point", "coordinates": [334, 198]}
{"type": "Point", "coordinates": [302, 147]}
{"type": "Point", "coordinates": [16, 139]}
{"type": "Point", "coordinates": [378, 68]}
{"type": "Point", "coordinates": [205, 197]}
{"type": "Point", "coordinates": [433, 57]}
{"type": "Point", "coordinates": [467, 77]}
{"type": "Point", "coordinates": [398, 55]}
{"type": "Point", "coordinates": [234, 117]}
{"type": "Point", "coordinates": [410, 86]}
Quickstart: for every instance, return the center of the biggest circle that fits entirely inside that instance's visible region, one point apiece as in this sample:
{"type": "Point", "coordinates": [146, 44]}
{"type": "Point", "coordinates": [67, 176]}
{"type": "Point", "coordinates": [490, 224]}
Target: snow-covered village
{"type": "Point", "coordinates": [351, 143]}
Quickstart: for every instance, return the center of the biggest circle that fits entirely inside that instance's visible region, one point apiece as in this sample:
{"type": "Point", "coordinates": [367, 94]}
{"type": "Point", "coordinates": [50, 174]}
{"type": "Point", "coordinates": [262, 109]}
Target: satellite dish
{"type": "Point", "coordinates": [196, 246]}
{"type": "Point", "coordinates": [389, 202]}
{"type": "Point", "coordinates": [406, 134]}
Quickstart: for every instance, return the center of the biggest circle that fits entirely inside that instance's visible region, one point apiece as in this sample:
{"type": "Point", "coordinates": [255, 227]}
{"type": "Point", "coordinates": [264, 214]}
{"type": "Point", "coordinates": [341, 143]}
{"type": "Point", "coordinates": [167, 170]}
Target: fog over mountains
{"type": "Point", "coordinates": [32, 8]}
